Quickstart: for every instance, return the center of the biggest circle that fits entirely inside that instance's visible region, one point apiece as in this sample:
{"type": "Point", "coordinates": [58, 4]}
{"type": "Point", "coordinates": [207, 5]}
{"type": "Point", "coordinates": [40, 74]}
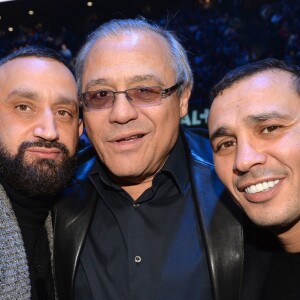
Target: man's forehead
{"type": "Point", "coordinates": [138, 79]}
{"type": "Point", "coordinates": [144, 63]}
{"type": "Point", "coordinates": [261, 80]}
{"type": "Point", "coordinates": [248, 114]}
{"type": "Point", "coordinates": [123, 40]}
{"type": "Point", "coordinates": [263, 91]}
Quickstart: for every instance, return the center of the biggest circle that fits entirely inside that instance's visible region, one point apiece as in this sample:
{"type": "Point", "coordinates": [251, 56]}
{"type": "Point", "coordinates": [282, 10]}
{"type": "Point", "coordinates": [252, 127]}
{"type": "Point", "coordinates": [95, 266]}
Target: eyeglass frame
{"type": "Point", "coordinates": [163, 94]}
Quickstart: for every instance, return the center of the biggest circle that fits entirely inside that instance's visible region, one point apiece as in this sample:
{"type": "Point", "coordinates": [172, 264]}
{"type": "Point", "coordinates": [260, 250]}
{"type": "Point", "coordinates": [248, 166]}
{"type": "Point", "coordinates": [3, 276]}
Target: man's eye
{"type": "Point", "coordinates": [65, 114]}
{"type": "Point", "coordinates": [226, 145]}
{"type": "Point", "coordinates": [101, 94]}
{"type": "Point", "coordinates": [23, 107]}
{"type": "Point", "coordinates": [270, 128]}
{"type": "Point", "coordinates": [147, 90]}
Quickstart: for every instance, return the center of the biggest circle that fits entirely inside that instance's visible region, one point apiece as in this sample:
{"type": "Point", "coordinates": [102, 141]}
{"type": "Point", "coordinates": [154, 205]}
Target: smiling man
{"type": "Point", "coordinates": [39, 130]}
{"type": "Point", "coordinates": [144, 217]}
{"type": "Point", "coordinates": [254, 127]}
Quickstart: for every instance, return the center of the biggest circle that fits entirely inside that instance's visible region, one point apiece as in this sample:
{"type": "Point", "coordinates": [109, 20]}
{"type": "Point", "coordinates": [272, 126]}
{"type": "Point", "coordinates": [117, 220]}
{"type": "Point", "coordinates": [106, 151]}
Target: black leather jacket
{"type": "Point", "coordinates": [217, 215]}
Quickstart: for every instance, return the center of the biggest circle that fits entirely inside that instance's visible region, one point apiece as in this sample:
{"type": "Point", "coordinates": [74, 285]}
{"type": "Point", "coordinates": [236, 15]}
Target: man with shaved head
{"type": "Point", "coordinates": [39, 130]}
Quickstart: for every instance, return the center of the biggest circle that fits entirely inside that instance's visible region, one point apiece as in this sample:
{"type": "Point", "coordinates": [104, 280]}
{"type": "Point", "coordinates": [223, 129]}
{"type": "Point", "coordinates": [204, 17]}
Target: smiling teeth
{"type": "Point", "coordinates": [132, 137]}
{"type": "Point", "coordinates": [129, 138]}
{"type": "Point", "coordinates": [261, 187]}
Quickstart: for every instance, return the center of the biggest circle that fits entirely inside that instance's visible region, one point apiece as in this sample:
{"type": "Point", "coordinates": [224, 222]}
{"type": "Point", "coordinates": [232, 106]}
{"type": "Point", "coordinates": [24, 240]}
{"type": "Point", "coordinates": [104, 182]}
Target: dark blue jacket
{"type": "Point", "coordinates": [218, 217]}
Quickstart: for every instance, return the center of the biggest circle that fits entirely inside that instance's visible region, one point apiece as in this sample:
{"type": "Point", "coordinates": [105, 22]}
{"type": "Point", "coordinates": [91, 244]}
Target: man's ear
{"type": "Point", "coordinates": [184, 101]}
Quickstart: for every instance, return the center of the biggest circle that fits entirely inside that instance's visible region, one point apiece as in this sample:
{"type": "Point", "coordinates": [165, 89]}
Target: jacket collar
{"type": "Point", "coordinates": [219, 219]}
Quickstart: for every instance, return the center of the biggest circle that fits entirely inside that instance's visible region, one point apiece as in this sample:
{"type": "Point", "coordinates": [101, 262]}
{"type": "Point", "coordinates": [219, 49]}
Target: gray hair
{"type": "Point", "coordinates": [180, 60]}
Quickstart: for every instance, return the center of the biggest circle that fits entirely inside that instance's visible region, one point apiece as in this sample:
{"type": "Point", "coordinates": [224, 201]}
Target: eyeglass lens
{"type": "Point", "coordinates": [140, 96]}
{"type": "Point", "coordinates": [145, 96]}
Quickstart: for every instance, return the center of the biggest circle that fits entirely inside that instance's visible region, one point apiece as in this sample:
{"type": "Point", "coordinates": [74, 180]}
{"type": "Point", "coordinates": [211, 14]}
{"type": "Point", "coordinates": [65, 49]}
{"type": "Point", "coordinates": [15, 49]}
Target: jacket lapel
{"type": "Point", "coordinates": [72, 217]}
{"type": "Point", "coordinates": [219, 220]}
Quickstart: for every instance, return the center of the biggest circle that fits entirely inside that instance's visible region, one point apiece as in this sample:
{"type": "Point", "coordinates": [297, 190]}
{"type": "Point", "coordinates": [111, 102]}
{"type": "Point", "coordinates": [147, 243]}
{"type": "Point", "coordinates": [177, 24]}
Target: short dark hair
{"type": "Point", "coordinates": [251, 69]}
{"type": "Point", "coordinates": [36, 51]}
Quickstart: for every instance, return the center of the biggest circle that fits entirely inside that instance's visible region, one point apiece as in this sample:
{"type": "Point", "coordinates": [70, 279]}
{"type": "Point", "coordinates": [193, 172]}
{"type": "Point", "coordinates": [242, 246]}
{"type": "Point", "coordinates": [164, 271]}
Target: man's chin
{"type": "Point", "coordinates": [37, 160]}
{"type": "Point", "coordinates": [45, 180]}
{"type": "Point", "coordinates": [39, 178]}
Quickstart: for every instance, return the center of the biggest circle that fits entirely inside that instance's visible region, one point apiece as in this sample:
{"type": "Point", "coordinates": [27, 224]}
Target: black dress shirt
{"type": "Point", "coordinates": [283, 277]}
{"type": "Point", "coordinates": [148, 249]}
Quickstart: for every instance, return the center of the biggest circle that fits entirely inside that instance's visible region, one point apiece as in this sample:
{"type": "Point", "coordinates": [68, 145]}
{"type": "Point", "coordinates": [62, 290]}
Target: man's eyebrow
{"type": "Point", "coordinates": [95, 82]}
{"type": "Point", "coordinates": [146, 77]}
{"type": "Point", "coordinates": [31, 95]}
{"type": "Point", "coordinates": [262, 117]}
{"type": "Point", "coordinates": [61, 99]}
{"type": "Point", "coordinates": [250, 120]}
{"type": "Point", "coordinates": [22, 93]}
{"type": "Point", "coordinates": [221, 131]}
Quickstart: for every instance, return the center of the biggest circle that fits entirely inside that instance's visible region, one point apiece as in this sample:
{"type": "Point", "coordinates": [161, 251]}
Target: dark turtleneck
{"type": "Point", "coordinates": [31, 215]}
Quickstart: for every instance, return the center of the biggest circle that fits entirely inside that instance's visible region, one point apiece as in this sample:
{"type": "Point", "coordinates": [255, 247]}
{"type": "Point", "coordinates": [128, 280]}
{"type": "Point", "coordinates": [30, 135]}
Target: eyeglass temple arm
{"type": "Point", "coordinates": [172, 89]}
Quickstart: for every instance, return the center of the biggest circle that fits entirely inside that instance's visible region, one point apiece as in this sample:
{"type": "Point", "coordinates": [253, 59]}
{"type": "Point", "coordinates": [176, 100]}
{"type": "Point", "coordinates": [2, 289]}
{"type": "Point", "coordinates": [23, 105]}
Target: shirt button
{"type": "Point", "coordinates": [137, 259]}
{"type": "Point", "coordinates": [135, 205]}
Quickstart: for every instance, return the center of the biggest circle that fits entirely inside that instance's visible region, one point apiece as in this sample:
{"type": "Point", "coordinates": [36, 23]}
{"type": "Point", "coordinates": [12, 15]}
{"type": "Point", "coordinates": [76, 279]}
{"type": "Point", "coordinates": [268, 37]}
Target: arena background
{"type": "Point", "coordinates": [218, 34]}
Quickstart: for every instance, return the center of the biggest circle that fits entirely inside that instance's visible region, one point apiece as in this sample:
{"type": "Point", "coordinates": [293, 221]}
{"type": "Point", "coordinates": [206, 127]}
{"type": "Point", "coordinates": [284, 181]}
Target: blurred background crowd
{"type": "Point", "coordinates": [219, 35]}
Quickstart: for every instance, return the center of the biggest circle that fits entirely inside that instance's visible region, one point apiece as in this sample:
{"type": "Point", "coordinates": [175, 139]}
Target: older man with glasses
{"type": "Point", "coordinates": [147, 217]}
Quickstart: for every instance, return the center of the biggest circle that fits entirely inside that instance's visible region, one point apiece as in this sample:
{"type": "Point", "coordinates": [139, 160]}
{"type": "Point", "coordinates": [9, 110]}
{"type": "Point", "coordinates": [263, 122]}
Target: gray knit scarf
{"type": "Point", "coordinates": [14, 272]}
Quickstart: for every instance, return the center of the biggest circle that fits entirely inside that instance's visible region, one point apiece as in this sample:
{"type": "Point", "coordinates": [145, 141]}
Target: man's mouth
{"type": "Point", "coordinates": [261, 187]}
{"type": "Point", "coordinates": [47, 153]}
{"type": "Point", "coordinates": [130, 138]}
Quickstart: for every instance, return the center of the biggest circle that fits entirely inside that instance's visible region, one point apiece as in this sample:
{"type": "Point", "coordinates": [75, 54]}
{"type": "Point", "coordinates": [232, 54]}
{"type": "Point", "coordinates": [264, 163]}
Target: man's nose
{"type": "Point", "coordinates": [46, 128]}
{"type": "Point", "coordinates": [248, 156]}
{"type": "Point", "coordinates": [122, 110]}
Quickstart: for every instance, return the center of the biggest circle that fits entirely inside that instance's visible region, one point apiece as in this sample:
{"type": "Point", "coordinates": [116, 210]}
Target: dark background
{"type": "Point", "coordinates": [218, 34]}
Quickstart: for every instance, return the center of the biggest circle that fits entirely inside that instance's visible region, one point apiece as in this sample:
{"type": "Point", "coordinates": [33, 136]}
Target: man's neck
{"type": "Point", "coordinates": [136, 190]}
{"type": "Point", "coordinates": [290, 239]}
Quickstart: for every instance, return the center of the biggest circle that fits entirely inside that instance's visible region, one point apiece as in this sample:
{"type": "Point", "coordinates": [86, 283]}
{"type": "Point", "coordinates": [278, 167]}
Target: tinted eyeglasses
{"type": "Point", "coordinates": [138, 97]}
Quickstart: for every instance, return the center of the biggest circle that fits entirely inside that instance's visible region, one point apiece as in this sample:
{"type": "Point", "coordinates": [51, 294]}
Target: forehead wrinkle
{"type": "Point", "coordinates": [262, 117]}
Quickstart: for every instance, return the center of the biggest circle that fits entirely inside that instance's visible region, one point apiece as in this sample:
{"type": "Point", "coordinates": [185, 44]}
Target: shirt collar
{"type": "Point", "coordinates": [176, 166]}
